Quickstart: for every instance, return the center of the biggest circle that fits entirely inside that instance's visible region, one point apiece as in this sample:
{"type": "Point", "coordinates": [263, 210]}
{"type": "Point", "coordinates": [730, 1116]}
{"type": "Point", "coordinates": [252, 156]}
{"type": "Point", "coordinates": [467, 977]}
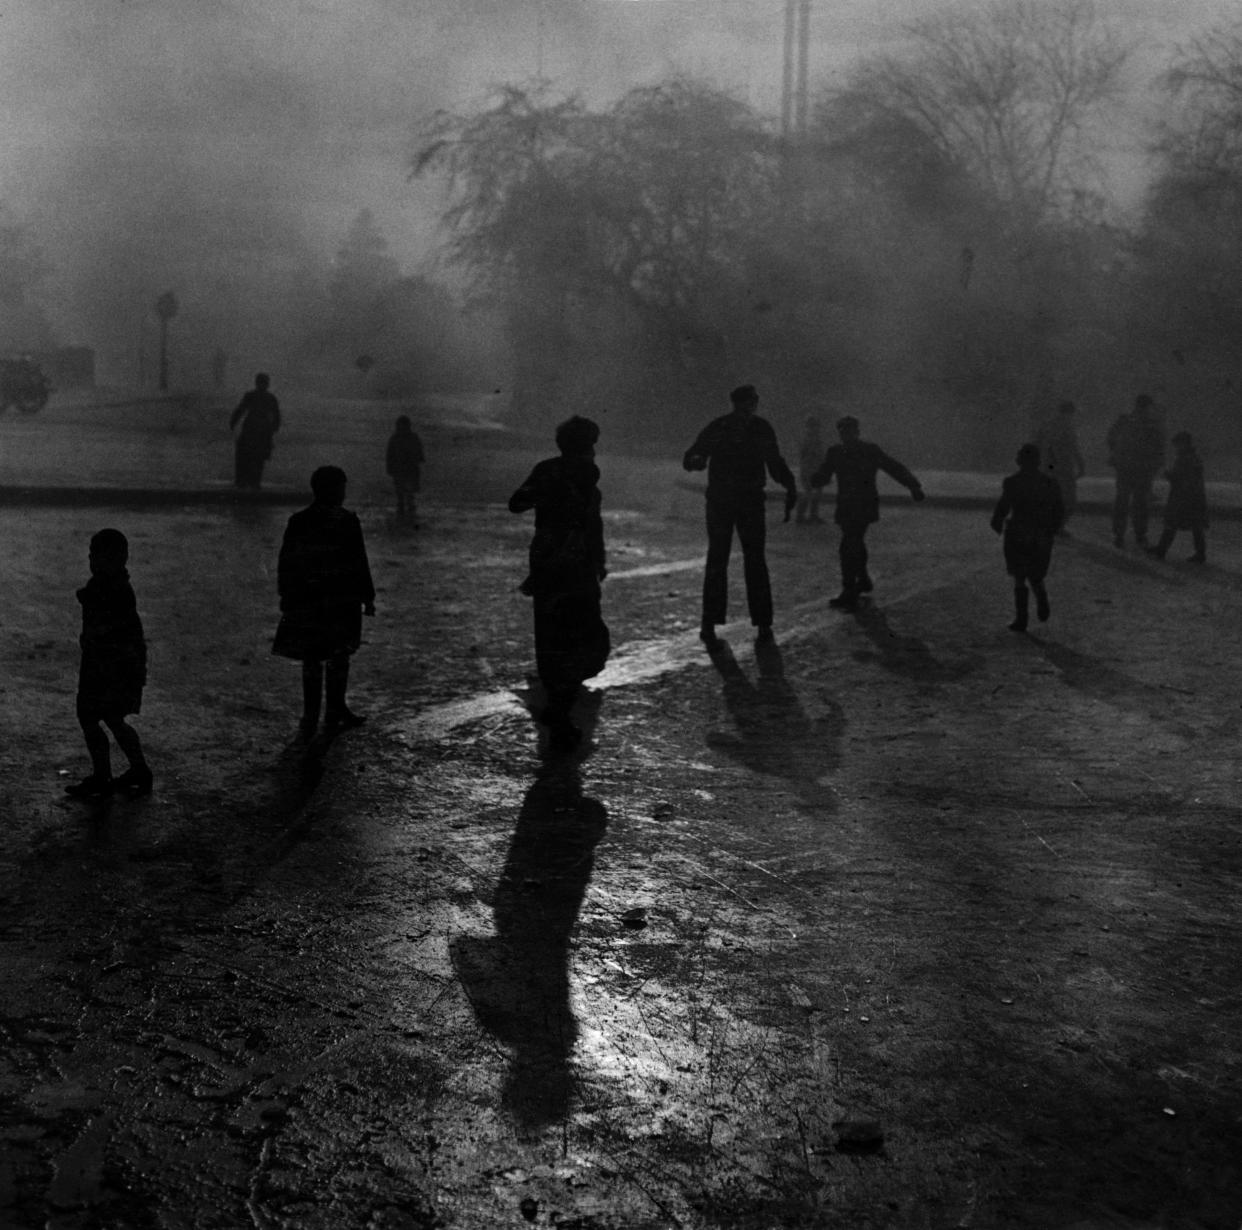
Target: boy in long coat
{"type": "Point", "coordinates": [1029, 512]}
{"type": "Point", "coordinates": [1186, 506]}
{"type": "Point", "coordinates": [567, 566]}
{"type": "Point", "coordinates": [324, 581]}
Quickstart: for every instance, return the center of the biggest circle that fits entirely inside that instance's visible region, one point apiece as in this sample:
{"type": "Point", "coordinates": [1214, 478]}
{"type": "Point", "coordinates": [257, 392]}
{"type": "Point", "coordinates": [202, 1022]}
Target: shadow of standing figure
{"type": "Point", "coordinates": [775, 733]}
{"type": "Point", "coordinates": [518, 980]}
{"type": "Point", "coordinates": [904, 655]}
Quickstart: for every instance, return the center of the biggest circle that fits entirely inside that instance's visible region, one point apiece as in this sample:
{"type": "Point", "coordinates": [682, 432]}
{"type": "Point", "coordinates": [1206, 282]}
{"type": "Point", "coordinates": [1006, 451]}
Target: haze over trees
{"type": "Point", "coordinates": [940, 252]}
{"type": "Point", "coordinates": [382, 332]}
{"type": "Point", "coordinates": [1188, 247]}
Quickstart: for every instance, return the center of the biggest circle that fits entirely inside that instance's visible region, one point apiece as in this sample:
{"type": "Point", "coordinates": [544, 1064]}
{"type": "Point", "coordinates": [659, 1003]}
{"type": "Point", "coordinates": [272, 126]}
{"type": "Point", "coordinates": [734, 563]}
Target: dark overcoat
{"type": "Point", "coordinates": [404, 459]}
{"type": "Point", "coordinates": [1186, 506]}
{"type": "Point", "coordinates": [567, 564]}
{"type": "Point", "coordinates": [1031, 512]}
{"type": "Point", "coordinates": [113, 670]}
{"type": "Point", "coordinates": [324, 580]}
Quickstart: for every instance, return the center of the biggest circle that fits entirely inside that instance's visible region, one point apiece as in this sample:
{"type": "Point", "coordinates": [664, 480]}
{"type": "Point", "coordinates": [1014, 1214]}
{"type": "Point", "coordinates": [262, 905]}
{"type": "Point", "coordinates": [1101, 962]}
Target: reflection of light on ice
{"type": "Point", "coordinates": [440, 719]}
{"type": "Point", "coordinates": [646, 661]}
{"type": "Point", "coordinates": [642, 662]}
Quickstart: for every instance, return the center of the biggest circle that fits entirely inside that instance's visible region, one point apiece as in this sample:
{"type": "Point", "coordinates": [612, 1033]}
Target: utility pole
{"type": "Point", "coordinates": [794, 77]}
{"type": "Point", "coordinates": [538, 40]}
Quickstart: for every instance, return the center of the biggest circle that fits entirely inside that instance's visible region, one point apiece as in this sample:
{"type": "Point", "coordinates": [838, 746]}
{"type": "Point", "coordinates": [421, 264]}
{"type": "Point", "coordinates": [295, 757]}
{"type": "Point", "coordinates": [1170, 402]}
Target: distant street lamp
{"type": "Point", "coordinates": [165, 308]}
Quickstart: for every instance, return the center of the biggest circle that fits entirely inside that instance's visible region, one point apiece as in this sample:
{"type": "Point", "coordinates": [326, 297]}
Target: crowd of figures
{"type": "Point", "coordinates": [325, 588]}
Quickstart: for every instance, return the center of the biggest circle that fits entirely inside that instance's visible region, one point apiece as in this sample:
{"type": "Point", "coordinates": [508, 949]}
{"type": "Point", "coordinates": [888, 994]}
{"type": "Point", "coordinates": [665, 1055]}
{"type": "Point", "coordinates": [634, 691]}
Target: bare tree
{"type": "Point", "coordinates": [1205, 135]}
{"type": "Point", "coordinates": [1006, 94]}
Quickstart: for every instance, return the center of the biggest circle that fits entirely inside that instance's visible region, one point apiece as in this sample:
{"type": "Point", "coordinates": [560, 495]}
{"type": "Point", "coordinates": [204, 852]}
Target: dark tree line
{"type": "Point", "coordinates": [939, 251]}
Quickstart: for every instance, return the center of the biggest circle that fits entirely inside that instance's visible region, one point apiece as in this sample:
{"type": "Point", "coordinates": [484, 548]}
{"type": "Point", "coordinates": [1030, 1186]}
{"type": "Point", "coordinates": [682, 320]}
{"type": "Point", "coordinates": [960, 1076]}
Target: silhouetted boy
{"type": "Point", "coordinates": [113, 671]}
{"type": "Point", "coordinates": [735, 450]}
{"type": "Point", "coordinates": [258, 412]}
{"type": "Point", "coordinates": [403, 462]}
{"type": "Point", "coordinates": [854, 463]}
{"type": "Point", "coordinates": [566, 568]}
{"type": "Point", "coordinates": [1031, 500]}
{"type": "Point", "coordinates": [324, 580]}
{"type": "Point", "coordinates": [1186, 506]}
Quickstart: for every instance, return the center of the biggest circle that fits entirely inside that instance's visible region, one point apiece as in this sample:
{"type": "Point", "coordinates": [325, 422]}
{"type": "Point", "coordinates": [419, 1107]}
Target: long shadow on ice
{"type": "Point", "coordinates": [518, 980]}
{"type": "Point", "coordinates": [773, 733]}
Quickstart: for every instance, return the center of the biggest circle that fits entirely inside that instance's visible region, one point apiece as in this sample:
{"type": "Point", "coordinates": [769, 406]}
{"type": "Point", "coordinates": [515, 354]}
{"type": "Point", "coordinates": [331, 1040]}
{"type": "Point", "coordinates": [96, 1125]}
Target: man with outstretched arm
{"type": "Point", "coordinates": [738, 450]}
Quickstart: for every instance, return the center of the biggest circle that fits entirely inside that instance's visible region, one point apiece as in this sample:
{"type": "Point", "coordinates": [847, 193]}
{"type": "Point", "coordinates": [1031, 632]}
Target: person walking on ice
{"type": "Point", "coordinates": [403, 460]}
{"type": "Point", "coordinates": [736, 450]}
{"type": "Point", "coordinates": [258, 412]}
{"type": "Point", "coordinates": [1186, 506]}
{"type": "Point", "coordinates": [324, 581]}
{"type": "Point", "coordinates": [567, 568]}
{"type": "Point", "coordinates": [854, 463]}
{"type": "Point", "coordinates": [113, 671]}
{"type": "Point", "coordinates": [1029, 513]}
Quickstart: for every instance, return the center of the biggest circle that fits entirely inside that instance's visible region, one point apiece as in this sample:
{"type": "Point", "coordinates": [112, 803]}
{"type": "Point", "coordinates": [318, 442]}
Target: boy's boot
{"type": "Point", "coordinates": [1021, 603]}
{"type": "Point", "coordinates": [312, 697]}
{"type": "Point", "coordinates": [336, 715]}
{"type": "Point", "coordinates": [1042, 607]}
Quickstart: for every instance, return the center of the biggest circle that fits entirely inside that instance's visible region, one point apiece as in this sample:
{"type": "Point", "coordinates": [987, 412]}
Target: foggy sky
{"type": "Point", "coordinates": [213, 145]}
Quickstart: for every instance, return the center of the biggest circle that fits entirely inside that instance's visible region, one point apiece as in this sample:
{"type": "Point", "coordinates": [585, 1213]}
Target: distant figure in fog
{"type": "Point", "coordinates": [113, 671]}
{"type": "Point", "coordinates": [1186, 507]}
{"type": "Point", "coordinates": [258, 412]}
{"type": "Point", "coordinates": [1136, 453]}
{"type": "Point", "coordinates": [854, 463]}
{"type": "Point", "coordinates": [810, 454]}
{"type": "Point", "coordinates": [1057, 441]}
{"type": "Point", "coordinates": [567, 567]}
{"type": "Point", "coordinates": [736, 450]}
{"type": "Point", "coordinates": [404, 463]}
{"type": "Point", "coordinates": [324, 580]}
{"type": "Point", "coordinates": [1029, 512]}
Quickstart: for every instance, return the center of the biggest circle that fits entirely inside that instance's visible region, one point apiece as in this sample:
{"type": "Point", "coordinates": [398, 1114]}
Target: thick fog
{"type": "Point", "coordinates": [223, 149]}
